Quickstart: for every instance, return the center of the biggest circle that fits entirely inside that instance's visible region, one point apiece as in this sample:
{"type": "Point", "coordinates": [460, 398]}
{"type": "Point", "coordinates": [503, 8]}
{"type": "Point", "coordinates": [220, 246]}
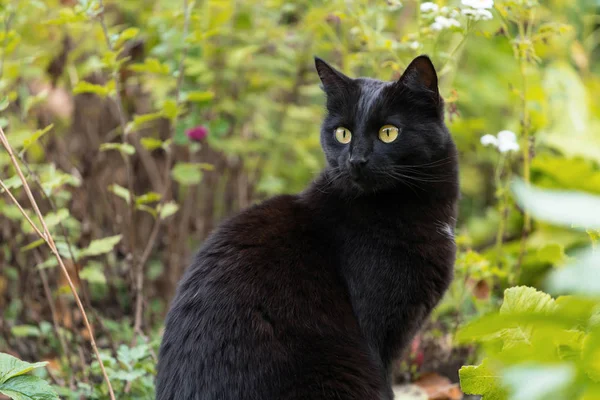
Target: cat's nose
{"type": "Point", "coordinates": [358, 162]}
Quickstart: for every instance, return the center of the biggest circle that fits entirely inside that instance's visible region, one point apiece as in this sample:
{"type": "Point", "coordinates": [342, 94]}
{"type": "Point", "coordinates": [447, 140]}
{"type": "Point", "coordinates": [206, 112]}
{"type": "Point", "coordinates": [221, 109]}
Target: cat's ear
{"type": "Point", "coordinates": [331, 78]}
{"type": "Point", "coordinates": [421, 72]}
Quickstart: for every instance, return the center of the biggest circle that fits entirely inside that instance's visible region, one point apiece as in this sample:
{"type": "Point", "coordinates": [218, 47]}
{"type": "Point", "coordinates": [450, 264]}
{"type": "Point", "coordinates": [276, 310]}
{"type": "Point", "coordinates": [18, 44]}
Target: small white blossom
{"type": "Point", "coordinates": [508, 146]}
{"type": "Point", "coordinates": [505, 141]}
{"type": "Point", "coordinates": [454, 14]}
{"type": "Point", "coordinates": [445, 9]}
{"type": "Point", "coordinates": [443, 23]}
{"type": "Point", "coordinates": [414, 45]}
{"type": "Point", "coordinates": [478, 4]}
{"type": "Point", "coordinates": [477, 14]}
{"type": "Point", "coordinates": [488, 139]}
{"type": "Point", "coordinates": [429, 7]}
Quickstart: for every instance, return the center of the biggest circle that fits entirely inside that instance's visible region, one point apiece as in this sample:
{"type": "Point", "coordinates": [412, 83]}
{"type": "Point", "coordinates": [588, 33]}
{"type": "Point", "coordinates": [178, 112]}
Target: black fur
{"type": "Point", "coordinates": [311, 296]}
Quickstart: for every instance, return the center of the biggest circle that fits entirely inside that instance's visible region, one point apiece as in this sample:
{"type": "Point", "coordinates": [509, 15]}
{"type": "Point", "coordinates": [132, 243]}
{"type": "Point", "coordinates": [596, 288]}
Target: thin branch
{"type": "Point", "coordinates": [167, 180]}
{"type": "Point", "coordinates": [50, 241]}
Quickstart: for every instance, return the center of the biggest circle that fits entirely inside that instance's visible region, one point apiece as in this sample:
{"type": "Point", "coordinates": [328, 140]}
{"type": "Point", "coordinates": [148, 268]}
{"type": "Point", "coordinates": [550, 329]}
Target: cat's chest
{"type": "Point", "coordinates": [387, 264]}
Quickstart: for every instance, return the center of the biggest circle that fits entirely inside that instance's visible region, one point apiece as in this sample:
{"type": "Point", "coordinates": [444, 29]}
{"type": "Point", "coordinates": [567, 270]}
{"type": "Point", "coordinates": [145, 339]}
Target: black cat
{"type": "Point", "coordinates": [311, 296]}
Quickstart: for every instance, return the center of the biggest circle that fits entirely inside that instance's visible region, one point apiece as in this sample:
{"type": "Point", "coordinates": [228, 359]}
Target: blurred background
{"type": "Point", "coordinates": [140, 125]}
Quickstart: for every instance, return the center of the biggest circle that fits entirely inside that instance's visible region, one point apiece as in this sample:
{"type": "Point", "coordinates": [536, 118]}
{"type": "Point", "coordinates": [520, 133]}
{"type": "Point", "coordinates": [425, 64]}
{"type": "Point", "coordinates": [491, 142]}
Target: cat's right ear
{"type": "Point", "coordinates": [332, 79]}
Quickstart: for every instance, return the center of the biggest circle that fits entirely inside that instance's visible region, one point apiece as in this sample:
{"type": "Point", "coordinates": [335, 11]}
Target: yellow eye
{"type": "Point", "coordinates": [343, 135]}
{"type": "Point", "coordinates": [388, 133]}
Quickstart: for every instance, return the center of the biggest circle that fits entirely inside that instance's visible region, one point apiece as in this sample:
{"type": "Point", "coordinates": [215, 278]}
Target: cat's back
{"type": "Point", "coordinates": [262, 314]}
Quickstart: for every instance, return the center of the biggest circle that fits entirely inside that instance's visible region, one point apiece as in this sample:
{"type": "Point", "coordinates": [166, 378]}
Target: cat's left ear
{"type": "Point", "coordinates": [421, 73]}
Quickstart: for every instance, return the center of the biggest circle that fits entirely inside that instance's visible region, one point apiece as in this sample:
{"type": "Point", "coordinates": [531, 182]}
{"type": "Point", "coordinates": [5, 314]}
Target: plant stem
{"type": "Point", "coordinates": [500, 189]}
{"type": "Point", "coordinates": [523, 54]}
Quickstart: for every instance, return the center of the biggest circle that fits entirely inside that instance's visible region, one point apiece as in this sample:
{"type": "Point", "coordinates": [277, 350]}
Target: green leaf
{"type": "Point", "coordinates": [482, 380]}
{"type": "Point", "coordinates": [149, 197]}
{"type": "Point", "coordinates": [25, 331]}
{"type": "Point", "coordinates": [552, 253]}
{"type": "Point", "coordinates": [100, 246]}
{"type": "Point", "coordinates": [11, 366]}
{"type": "Point", "coordinates": [33, 245]}
{"type": "Point", "coordinates": [139, 120]}
{"type": "Point", "coordinates": [14, 182]}
{"type": "Point", "coordinates": [124, 36]}
{"type": "Point", "coordinates": [170, 109]}
{"type": "Point", "coordinates": [199, 97]}
{"type": "Point", "coordinates": [28, 388]}
{"type": "Point", "coordinates": [54, 218]}
{"type": "Point", "coordinates": [151, 143]}
{"type": "Point", "coordinates": [93, 273]}
{"type": "Point", "coordinates": [168, 209]}
{"type": "Point", "coordinates": [151, 66]}
{"type": "Point", "coordinates": [86, 87]}
{"type": "Point", "coordinates": [27, 143]}
{"type": "Point", "coordinates": [121, 192]}
{"type": "Point", "coordinates": [580, 276]}
{"type": "Point", "coordinates": [187, 173]}
{"type": "Point", "coordinates": [537, 382]}
{"type": "Point", "coordinates": [573, 209]}
{"type": "Point", "coordinates": [522, 307]}
{"type": "Point", "coordinates": [149, 210]}
{"type": "Point", "coordinates": [523, 299]}
{"type": "Point", "coordinates": [124, 148]}
{"type": "Point", "coordinates": [4, 103]}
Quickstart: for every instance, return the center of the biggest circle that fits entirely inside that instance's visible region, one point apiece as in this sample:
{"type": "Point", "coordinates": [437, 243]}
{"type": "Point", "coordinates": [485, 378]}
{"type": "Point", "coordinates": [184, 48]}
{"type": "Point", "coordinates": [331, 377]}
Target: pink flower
{"type": "Point", "coordinates": [197, 133]}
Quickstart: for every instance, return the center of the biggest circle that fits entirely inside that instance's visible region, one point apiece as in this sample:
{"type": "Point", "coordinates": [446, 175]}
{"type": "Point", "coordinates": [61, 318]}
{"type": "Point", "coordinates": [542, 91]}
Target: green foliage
{"type": "Point", "coordinates": [543, 347]}
{"type": "Point", "coordinates": [481, 380]}
{"type": "Point", "coordinates": [15, 384]}
{"type": "Point", "coordinates": [96, 101]}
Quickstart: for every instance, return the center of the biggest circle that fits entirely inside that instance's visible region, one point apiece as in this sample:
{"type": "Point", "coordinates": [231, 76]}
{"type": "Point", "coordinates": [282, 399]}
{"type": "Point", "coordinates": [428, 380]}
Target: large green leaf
{"type": "Point", "coordinates": [522, 308]}
{"type": "Point", "coordinates": [11, 366]}
{"type": "Point", "coordinates": [582, 276]}
{"type": "Point", "coordinates": [523, 299]}
{"type": "Point", "coordinates": [573, 209]}
{"type": "Point", "coordinates": [537, 382]}
{"type": "Point", "coordinates": [482, 380]}
{"type": "Point", "coordinates": [26, 387]}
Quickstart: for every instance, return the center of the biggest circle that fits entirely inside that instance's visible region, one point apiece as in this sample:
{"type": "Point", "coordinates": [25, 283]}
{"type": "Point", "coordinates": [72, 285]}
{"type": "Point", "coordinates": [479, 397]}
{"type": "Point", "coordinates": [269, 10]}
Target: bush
{"type": "Point", "coordinates": [139, 125]}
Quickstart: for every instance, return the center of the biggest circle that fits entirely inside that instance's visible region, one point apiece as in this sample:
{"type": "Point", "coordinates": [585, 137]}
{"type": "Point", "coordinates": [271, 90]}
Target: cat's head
{"type": "Point", "coordinates": [382, 135]}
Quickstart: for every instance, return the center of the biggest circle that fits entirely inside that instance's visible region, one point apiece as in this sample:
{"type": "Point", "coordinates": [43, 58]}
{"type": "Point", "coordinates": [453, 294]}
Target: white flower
{"type": "Point", "coordinates": [429, 7]}
{"type": "Point", "coordinates": [488, 139]}
{"type": "Point", "coordinates": [479, 4]}
{"type": "Point", "coordinates": [507, 136]}
{"type": "Point", "coordinates": [477, 14]}
{"type": "Point", "coordinates": [414, 45]}
{"type": "Point", "coordinates": [509, 146]}
{"type": "Point", "coordinates": [443, 22]}
{"type": "Point", "coordinates": [505, 141]}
